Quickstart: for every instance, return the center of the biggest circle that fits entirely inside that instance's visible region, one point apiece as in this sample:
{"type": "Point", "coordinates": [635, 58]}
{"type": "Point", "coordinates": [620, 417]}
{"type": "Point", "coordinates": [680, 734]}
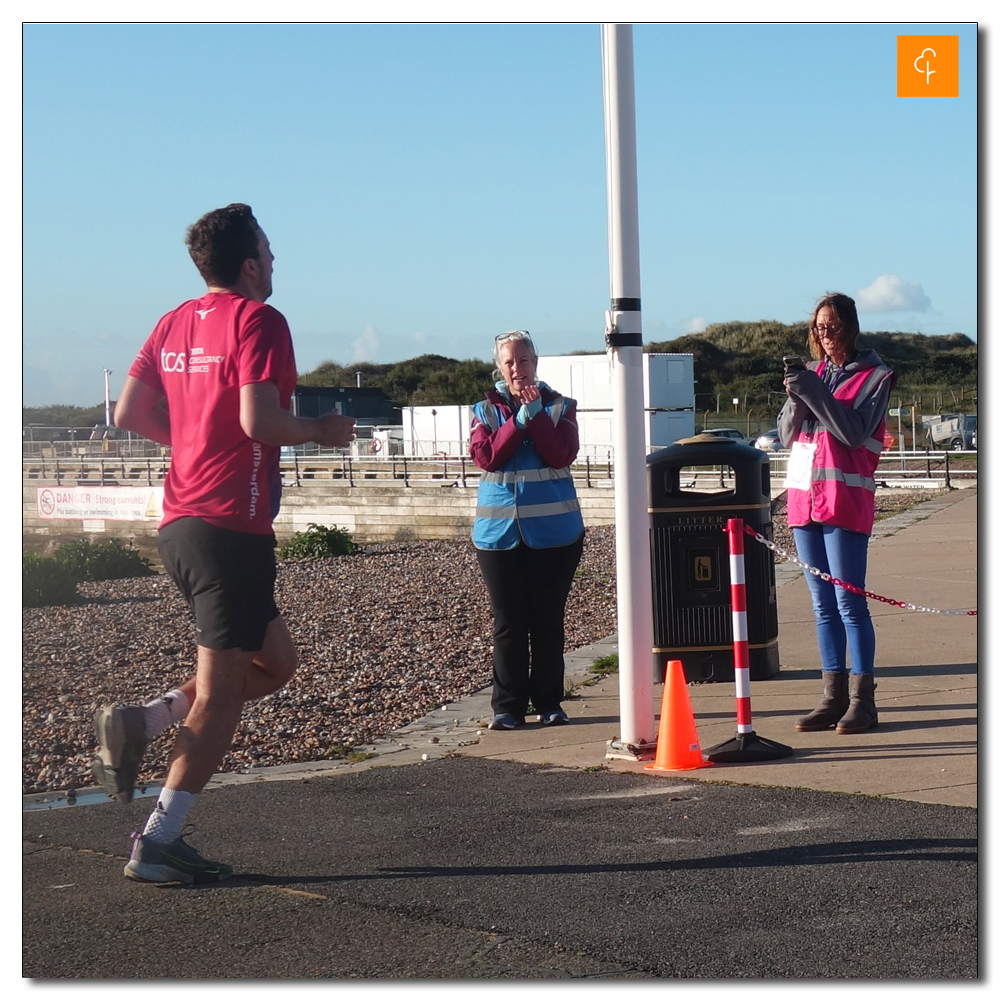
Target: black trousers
{"type": "Point", "coordinates": [528, 590]}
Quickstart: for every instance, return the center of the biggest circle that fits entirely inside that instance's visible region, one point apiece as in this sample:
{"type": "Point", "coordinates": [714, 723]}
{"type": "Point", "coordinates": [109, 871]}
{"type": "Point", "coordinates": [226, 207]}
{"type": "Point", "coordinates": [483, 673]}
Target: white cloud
{"type": "Point", "coordinates": [889, 293]}
{"type": "Point", "coordinates": [696, 324]}
{"type": "Point", "coordinates": [367, 345]}
{"type": "Point", "coordinates": [420, 337]}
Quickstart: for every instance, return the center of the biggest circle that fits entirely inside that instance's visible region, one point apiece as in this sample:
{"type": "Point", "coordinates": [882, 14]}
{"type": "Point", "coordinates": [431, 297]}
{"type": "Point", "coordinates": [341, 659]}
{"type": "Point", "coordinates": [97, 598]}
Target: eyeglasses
{"type": "Point", "coordinates": [512, 335]}
{"type": "Point", "coordinates": [823, 330]}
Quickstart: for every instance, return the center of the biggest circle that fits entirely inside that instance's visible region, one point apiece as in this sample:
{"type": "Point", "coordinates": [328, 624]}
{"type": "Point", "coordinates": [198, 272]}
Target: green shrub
{"type": "Point", "coordinates": [318, 541]}
{"type": "Point", "coordinates": [111, 560]}
{"type": "Point", "coordinates": [45, 582]}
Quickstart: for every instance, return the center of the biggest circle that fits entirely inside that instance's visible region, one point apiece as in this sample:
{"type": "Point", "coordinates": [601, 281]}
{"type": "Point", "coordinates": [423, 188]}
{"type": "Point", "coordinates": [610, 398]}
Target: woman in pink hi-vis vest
{"type": "Point", "coordinates": [834, 422]}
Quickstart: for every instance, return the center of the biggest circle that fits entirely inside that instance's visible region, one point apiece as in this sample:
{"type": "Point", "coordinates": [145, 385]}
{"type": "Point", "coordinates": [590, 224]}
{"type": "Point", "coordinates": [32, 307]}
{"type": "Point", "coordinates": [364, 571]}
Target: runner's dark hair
{"type": "Point", "coordinates": [220, 241]}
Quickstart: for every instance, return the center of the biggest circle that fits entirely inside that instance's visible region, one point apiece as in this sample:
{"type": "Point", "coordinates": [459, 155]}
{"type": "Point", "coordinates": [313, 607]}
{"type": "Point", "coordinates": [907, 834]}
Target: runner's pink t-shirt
{"type": "Point", "coordinates": [198, 357]}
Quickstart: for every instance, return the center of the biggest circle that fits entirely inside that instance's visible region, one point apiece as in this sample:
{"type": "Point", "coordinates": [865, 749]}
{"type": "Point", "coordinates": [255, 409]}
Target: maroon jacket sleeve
{"type": "Point", "coordinates": [556, 444]}
{"type": "Point", "coordinates": [490, 449]}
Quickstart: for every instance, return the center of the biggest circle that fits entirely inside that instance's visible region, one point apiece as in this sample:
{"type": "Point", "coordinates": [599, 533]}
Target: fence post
{"type": "Point", "coordinates": [588, 471]}
{"type": "Point", "coordinates": [947, 470]}
{"type": "Point", "coordinates": [463, 472]}
{"type": "Point", "coordinates": [406, 474]}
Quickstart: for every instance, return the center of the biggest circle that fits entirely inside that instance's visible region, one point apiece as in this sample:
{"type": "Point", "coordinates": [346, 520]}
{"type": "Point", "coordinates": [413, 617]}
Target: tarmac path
{"type": "Point", "coordinates": [479, 868]}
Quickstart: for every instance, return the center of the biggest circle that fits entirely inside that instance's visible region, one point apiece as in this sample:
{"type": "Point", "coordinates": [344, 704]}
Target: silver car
{"type": "Point", "coordinates": [727, 432]}
{"type": "Point", "coordinates": [768, 441]}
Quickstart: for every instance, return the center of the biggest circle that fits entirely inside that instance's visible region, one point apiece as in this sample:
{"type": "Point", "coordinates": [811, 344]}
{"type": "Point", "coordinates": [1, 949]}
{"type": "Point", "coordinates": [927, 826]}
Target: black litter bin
{"type": "Point", "coordinates": [695, 486]}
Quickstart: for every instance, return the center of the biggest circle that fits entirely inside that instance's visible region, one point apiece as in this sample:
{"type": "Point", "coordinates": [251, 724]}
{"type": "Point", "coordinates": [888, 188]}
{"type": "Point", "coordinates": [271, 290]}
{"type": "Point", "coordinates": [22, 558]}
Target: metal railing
{"type": "Point", "coordinates": [296, 470]}
{"type": "Point", "coordinates": [98, 470]}
{"type": "Point", "coordinates": [895, 469]}
{"type": "Point", "coordinates": [921, 467]}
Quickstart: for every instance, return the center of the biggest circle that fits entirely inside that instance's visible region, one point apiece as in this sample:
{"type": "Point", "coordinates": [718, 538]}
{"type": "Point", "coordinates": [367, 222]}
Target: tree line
{"type": "Point", "coordinates": [736, 359]}
{"type": "Point", "coordinates": [744, 360]}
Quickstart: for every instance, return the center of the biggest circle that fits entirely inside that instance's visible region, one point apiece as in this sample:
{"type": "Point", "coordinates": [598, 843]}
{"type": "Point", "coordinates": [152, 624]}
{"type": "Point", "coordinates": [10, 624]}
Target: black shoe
{"type": "Point", "coordinates": [504, 720]}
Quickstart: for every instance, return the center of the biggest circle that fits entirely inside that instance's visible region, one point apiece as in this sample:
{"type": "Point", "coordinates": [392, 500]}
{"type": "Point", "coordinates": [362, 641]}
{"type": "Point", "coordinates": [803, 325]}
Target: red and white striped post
{"type": "Point", "coordinates": [741, 643]}
{"type": "Point", "coordinates": [746, 746]}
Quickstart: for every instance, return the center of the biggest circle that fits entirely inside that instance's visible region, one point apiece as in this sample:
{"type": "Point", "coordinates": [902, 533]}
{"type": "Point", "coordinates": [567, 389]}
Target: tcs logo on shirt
{"type": "Point", "coordinates": [171, 362]}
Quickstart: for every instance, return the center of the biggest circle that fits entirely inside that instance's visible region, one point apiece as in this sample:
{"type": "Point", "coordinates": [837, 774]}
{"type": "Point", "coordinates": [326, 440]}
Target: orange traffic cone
{"type": "Point", "coordinates": [677, 746]}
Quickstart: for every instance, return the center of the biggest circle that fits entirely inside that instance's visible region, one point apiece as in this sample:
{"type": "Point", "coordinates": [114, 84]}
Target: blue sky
{"type": "Point", "coordinates": [425, 187]}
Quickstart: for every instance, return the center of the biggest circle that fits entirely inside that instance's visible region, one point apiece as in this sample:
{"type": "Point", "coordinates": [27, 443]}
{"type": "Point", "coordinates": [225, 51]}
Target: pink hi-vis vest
{"type": "Point", "coordinates": [842, 492]}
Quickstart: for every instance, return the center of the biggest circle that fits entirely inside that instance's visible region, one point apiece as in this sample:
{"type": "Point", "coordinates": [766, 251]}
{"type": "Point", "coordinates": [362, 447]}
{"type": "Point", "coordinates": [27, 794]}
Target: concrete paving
{"type": "Point", "coordinates": [925, 746]}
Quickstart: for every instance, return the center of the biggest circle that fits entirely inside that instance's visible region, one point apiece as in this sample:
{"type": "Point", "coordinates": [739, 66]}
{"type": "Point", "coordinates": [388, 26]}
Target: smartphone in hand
{"type": "Point", "coordinates": [793, 362]}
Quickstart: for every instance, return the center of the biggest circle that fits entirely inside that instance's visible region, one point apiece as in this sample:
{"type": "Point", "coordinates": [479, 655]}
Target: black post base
{"type": "Point", "coordinates": [747, 748]}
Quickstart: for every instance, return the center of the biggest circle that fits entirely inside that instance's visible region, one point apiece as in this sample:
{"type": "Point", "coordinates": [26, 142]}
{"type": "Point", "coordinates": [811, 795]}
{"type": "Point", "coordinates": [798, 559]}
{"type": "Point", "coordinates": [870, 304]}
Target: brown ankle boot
{"type": "Point", "coordinates": [862, 714]}
{"type": "Point", "coordinates": [831, 707]}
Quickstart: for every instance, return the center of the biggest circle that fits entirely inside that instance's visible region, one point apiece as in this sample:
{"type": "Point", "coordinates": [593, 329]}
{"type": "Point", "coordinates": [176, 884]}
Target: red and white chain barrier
{"type": "Point", "coordinates": [741, 644]}
{"type": "Point", "coordinates": [841, 583]}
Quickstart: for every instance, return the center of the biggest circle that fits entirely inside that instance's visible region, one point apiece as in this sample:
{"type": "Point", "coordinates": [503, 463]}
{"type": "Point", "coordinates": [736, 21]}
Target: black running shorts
{"type": "Point", "coordinates": [228, 579]}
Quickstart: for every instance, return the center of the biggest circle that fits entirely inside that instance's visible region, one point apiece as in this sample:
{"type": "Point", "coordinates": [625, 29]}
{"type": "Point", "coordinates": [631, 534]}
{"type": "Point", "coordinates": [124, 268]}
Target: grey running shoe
{"type": "Point", "coordinates": [176, 862]}
{"type": "Point", "coordinates": [121, 732]}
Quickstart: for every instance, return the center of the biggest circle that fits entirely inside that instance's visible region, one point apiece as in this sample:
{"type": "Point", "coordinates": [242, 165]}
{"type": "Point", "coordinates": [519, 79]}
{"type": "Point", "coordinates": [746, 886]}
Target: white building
{"type": "Point", "coordinates": [668, 382]}
{"type": "Point", "coordinates": [668, 390]}
{"type": "Point", "coordinates": [436, 430]}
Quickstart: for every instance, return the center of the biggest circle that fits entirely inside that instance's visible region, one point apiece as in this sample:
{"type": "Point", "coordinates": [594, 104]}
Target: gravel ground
{"type": "Point", "coordinates": [383, 638]}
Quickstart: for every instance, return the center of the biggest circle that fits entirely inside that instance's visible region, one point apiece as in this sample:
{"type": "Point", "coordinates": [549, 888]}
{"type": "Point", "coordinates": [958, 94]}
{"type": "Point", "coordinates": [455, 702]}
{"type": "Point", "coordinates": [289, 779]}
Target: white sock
{"type": "Point", "coordinates": [160, 713]}
{"type": "Point", "coordinates": [167, 820]}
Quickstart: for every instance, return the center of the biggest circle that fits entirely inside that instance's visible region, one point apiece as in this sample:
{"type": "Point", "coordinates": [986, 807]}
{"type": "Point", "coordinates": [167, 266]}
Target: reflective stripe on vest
{"type": "Point", "coordinates": [850, 478]}
{"type": "Point", "coordinates": [813, 427]}
{"type": "Point", "coordinates": [525, 475]}
{"type": "Point", "coordinates": [535, 510]}
{"type": "Point", "coordinates": [490, 415]}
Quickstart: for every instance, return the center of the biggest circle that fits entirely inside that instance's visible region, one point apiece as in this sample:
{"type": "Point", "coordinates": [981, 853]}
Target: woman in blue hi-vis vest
{"type": "Point", "coordinates": [528, 530]}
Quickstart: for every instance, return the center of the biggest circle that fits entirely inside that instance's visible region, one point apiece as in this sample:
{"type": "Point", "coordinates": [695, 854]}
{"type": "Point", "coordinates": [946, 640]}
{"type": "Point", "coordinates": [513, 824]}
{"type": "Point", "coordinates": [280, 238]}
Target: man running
{"type": "Point", "coordinates": [214, 382]}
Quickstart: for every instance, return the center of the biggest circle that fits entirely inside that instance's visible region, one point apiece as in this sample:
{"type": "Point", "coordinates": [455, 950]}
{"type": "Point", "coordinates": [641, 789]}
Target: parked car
{"type": "Point", "coordinates": [768, 441]}
{"type": "Point", "coordinates": [728, 432]}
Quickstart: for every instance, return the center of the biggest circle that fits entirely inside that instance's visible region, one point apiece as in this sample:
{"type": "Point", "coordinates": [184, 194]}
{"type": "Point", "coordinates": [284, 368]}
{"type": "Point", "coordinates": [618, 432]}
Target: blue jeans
{"type": "Point", "coordinates": [842, 618]}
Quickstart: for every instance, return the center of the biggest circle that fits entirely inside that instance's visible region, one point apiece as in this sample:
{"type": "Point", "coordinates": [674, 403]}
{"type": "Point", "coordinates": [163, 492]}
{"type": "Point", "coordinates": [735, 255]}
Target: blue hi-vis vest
{"type": "Point", "coordinates": [525, 500]}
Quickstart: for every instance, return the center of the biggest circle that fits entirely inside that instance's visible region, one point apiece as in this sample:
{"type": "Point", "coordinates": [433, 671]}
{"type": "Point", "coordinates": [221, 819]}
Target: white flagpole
{"type": "Point", "coordinates": [624, 339]}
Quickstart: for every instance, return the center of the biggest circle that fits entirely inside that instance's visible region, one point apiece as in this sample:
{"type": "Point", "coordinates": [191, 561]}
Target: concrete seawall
{"type": "Point", "coordinates": [372, 510]}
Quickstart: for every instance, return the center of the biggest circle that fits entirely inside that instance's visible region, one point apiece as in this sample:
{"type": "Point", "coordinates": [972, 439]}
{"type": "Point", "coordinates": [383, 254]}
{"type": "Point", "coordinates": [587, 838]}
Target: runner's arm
{"type": "Point", "coordinates": [263, 419]}
{"type": "Point", "coordinates": [139, 410]}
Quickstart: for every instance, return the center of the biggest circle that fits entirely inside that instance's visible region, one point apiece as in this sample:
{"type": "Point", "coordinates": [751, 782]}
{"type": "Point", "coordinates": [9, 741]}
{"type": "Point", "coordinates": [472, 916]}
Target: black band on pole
{"type": "Point", "coordinates": [626, 305]}
{"type": "Point", "coordinates": [623, 339]}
